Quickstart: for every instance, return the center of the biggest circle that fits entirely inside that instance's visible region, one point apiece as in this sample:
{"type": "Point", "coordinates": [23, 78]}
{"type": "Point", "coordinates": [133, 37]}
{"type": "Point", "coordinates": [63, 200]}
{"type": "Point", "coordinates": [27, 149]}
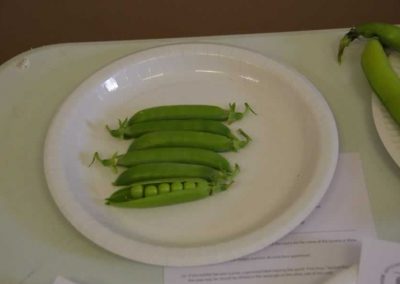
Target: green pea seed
{"type": "Point", "coordinates": [150, 190]}
{"type": "Point", "coordinates": [189, 185]}
{"type": "Point", "coordinates": [137, 191]}
{"type": "Point", "coordinates": [176, 186]}
{"type": "Point", "coordinates": [164, 188]}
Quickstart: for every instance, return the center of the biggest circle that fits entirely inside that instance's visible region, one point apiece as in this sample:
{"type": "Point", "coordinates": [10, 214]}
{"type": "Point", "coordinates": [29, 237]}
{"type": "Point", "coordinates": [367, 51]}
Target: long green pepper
{"type": "Point", "coordinates": [387, 34]}
{"type": "Point", "coordinates": [382, 78]}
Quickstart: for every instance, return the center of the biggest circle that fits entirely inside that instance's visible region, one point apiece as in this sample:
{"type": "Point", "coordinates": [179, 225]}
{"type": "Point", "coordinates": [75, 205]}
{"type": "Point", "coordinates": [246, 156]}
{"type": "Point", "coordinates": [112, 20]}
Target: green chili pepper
{"type": "Point", "coordinates": [177, 112]}
{"type": "Point", "coordinates": [193, 139]}
{"type": "Point", "coordinates": [177, 155]}
{"type": "Point", "coordinates": [387, 34]}
{"type": "Point", "coordinates": [197, 189]}
{"type": "Point", "coordinates": [382, 78]}
{"type": "Point", "coordinates": [127, 131]}
{"type": "Point", "coordinates": [152, 171]}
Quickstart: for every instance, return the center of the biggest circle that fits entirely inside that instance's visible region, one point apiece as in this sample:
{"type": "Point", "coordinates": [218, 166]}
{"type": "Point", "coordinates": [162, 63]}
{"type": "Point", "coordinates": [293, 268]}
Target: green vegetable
{"type": "Point", "coordinates": [195, 139]}
{"type": "Point", "coordinates": [126, 130]}
{"type": "Point", "coordinates": [150, 190]}
{"type": "Point", "coordinates": [387, 34]}
{"type": "Point", "coordinates": [176, 186]}
{"type": "Point", "coordinates": [177, 155]}
{"type": "Point", "coordinates": [137, 191]}
{"type": "Point", "coordinates": [174, 155]}
{"type": "Point", "coordinates": [382, 78]}
{"type": "Point", "coordinates": [188, 185]}
{"type": "Point", "coordinates": [152, 171]}
{"type": "Point", "coordinates": [199, 189]}
{"type": "Point", "coordinates": [164, 188]}
{"type": "Point", "coordinates": [177, 112]}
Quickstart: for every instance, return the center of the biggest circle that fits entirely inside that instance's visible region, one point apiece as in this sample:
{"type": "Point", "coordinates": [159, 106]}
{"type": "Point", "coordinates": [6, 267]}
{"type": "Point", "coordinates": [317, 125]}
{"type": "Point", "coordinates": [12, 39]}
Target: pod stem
{"type": "Point", "coordinates": [238, 144]}
{"type": "Point", "coordinates": [120, 131]}
{"type": "Point", "coordinates": [218, 187]}
{"type": "Point", "coordinates": [234, 115]}
{"type": "Point", "coordinates": [248, 108]}
{"type": "Point", "coordinates": [228, 176]}
{"type": "Point", "coordinates": [235, 171]}
{"type": "Point", "coordinates": [111, 162]}
{"type": "Point", "coordinates": [345, 42]}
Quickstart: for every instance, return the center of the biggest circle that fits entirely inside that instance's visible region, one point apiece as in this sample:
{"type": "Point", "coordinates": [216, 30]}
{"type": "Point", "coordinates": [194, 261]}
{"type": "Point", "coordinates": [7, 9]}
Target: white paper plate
{"type": "Point", "coordinates": [388, 129]}
{"type": "Point", "coordinates": [285, 171]}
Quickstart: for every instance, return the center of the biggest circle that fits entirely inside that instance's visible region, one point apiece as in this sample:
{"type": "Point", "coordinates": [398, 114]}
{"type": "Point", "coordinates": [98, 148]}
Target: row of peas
{"type": "Point", "coordinates": [175, 155]}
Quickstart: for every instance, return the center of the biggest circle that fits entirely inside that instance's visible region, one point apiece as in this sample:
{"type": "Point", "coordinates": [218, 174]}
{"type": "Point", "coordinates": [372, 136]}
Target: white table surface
{"type": "Point", "coordinates": [36, 241]}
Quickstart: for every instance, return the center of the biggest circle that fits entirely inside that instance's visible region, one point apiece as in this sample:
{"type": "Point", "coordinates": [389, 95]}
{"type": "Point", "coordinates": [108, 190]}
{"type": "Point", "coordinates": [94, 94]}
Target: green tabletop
{"type": "Point", "coordinates": [37, 243]}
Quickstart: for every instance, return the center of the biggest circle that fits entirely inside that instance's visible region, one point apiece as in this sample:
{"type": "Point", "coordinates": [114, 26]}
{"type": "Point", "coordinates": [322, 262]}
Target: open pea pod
{"type": "Point", "coordinates": [164, 192]}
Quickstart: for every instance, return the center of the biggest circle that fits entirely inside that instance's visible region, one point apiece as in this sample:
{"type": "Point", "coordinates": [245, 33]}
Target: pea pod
{"type": "Point", "coordinates": [382, 78]}
{"type": "Point", "coordinates": [178, 112]}
{"type": "Point", "coordinates": [387, 34]}
{"type": "Point", "coordinates": [135, 196]}
{"type": "Point", "coordinates": [152, 171]}
{"type": "Point", "coordinates": [127, 131]}
{"type": "Point", "coordinates": [177, 155]}
{"type": "Point", "coordinates": [192, 139]}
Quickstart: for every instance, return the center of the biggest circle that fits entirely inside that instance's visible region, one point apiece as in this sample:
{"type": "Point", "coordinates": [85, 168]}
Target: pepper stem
{"type": "Point", "coordinates": [345, 42]}
{"type": "Point", "coordinates": [120, 131]}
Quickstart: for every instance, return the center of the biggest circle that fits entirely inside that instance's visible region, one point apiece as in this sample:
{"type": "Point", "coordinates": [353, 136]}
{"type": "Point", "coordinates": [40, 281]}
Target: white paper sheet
{"type": "Point", "coordinates": [327, 242]}
{"type": "Point", "coordinates": [380, 262]}
{"type": "Point", "coordinates": [345, 276]}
